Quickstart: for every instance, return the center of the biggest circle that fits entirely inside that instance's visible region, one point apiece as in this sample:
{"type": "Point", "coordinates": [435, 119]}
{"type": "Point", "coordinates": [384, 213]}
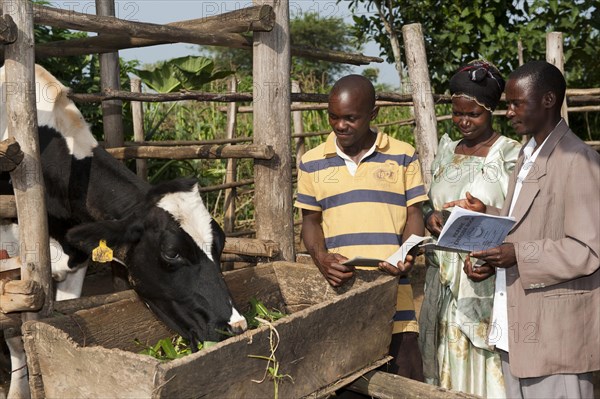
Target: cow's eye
{"type": "Point", "coordinates": [171, 255]}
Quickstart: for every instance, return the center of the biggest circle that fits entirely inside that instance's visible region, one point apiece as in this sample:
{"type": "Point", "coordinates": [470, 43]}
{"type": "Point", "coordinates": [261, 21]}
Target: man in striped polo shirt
{"type": "Point", "coordinates": [360, 193]}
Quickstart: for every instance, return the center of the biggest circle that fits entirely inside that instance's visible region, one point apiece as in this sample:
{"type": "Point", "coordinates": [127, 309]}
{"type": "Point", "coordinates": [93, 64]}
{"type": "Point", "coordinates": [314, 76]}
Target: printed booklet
{"type": "Point", "coordinates": [468, 231]}
{"type": "Point", "coordinates": [396, 257]}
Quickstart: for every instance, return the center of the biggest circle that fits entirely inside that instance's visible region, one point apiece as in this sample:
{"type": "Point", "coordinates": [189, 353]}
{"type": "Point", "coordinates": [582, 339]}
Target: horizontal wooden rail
{"type": "Point", "coordinates": [260, 18]}
{"type": "Point", "coordinates": [188, 142]}
{"type": "Point", "coordinates": [140, 34]}
{"type": "Point", "coordinates": [387, 99]}
{"type": "Point", "coordinates": [224, 186]}
{"type": "Point", "coordinates": [13, 320]}
{"type": "Point", "coordinates": [69, 19]}
{"type": "Point", "coordinates": [379, 384]}
{"type": "Point", "coordinates": [159, 97]}
{"type": "Point", "coordinates": [251, 247]}
{"type": "Point", "coordinates": [255, 151]}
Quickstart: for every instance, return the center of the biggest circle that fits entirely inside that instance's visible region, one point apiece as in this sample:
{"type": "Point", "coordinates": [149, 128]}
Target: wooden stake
{"type": "Point", "coordinates": [137, 113]}
{"type": "Point", "coordinates": [418, 72]}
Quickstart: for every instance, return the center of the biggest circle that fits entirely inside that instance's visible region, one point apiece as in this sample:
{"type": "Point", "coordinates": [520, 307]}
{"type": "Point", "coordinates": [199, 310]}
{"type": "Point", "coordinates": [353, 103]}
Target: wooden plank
{"type": "Point", "coordinates": [9, 264]}
{"type": "Point", "coordinates": [272, 126]}
{"type": "Point", "coordinates": [259, 282]}
{"type": "Point", "coordinates": [424, 107]}
{"type": "Point", "coordinates": [256, 151]}
{"type": "Point", "coordinates": [378, 384]}
{"type": "Point", "coordinates": [70, 306]}
{"type": "Point", "coordinates": [326, 392]}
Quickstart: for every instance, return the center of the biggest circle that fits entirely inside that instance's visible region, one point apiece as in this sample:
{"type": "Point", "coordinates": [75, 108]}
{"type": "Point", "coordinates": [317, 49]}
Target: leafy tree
{"type": "Point", "coordinates": [457, 31]}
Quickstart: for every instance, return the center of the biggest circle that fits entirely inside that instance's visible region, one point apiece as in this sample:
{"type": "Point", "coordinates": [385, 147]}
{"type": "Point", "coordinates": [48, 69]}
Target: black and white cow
{"type": "Point", "coordinates": [164, 234]}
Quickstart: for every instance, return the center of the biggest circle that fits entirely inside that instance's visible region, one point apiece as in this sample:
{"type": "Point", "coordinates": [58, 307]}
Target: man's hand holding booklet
{"type": "Point", "coordinates": [469, 231]}
{"type": "Point", "coordinates": [464, 231]}
{"type": "Point", "coordinates": [393, 259]}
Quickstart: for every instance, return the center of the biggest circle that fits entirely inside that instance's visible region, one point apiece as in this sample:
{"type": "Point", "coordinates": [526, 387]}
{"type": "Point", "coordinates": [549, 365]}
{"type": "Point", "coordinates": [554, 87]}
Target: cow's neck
{"type": "Point", "coordinates": [114, 190]}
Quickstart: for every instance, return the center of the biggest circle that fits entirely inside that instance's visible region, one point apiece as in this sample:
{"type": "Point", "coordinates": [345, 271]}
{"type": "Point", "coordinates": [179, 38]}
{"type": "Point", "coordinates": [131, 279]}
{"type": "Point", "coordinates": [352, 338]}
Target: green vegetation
{"type": "Point", "coordinates": [480, 28]}
{"type": "Point", "coordinates": [176, 346]}
{"type": "Point", "coordinates": [171, 348]}
{"type": "Point", "coordinates": [459, 31]}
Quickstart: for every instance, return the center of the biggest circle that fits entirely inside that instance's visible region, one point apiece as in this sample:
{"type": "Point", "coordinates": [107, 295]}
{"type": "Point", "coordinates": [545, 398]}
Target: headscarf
{"type": "Point", "coordinates": [479, 81]}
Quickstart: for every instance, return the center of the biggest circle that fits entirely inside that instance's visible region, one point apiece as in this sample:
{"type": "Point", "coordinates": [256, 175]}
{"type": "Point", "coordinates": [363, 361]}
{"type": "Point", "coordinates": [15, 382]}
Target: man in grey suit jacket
{"type": "Point", "coordinates": [546, 318]}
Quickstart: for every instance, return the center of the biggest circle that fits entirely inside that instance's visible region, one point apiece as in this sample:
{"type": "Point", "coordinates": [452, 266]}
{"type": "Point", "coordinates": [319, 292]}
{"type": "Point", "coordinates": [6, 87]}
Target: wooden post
{"type": "Point", "coordinates": [137, 113]}
{"type": "Point", "coordinates": [298, 127]}
{"type": "Point", "coordinates": [426, 124]}
{"type": "Point", "coordinates": [110, 79]}
{"type": "Point", "coordinates": [555, 56]}
{"type": "Point", "coordinates": [271, 92]}
{"type": "Point", "coordinates": [231, 174]}
{"type": "Point", "coordinates": [27, 178]}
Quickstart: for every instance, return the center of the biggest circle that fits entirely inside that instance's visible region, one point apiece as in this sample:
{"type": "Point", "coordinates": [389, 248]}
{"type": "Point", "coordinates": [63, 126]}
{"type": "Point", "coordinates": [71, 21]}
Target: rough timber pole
{"type": "Point", "coordinates": [426, 123]}
{"type": "Point", "coordinates": [273, 178]}
{"type": "Point", "coordinates": [555, 56]}
{"type": "Point", "coordinates": [110, 79]}
{"type": "Point", "coordinates": [28, 182]}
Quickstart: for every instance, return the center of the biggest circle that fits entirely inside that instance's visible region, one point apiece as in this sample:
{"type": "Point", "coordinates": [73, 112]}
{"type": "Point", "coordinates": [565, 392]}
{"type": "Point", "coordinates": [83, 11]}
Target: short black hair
{"type": "Point", "coordinates": [544, 76]}
{"type": "Point", "coordinates": [356, 83]}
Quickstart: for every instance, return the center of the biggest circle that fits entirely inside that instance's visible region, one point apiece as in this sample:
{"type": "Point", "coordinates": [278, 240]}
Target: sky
{"type": "Point", "coordinates": [165, 11]}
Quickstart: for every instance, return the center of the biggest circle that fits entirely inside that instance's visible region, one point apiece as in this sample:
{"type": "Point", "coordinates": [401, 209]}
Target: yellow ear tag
{"type": "Point", "coordinates": [102, 253]}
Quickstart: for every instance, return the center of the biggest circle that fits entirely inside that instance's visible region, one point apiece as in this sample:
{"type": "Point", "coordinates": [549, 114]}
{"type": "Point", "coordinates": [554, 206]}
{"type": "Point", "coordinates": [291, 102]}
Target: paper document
{"type": "Point", "coordinates": [394, 258]}
{"type": "Point", "coordinates": [467, 231]}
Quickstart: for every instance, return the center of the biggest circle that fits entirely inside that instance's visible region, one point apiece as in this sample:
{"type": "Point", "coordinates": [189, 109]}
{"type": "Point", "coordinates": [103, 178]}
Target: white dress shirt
{"type": "Point", "coordinates": [498, 334]}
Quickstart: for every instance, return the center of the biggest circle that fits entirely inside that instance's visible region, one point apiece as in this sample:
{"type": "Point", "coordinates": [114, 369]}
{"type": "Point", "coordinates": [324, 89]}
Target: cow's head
{"type": "Point", "coordinates": [172, 249]}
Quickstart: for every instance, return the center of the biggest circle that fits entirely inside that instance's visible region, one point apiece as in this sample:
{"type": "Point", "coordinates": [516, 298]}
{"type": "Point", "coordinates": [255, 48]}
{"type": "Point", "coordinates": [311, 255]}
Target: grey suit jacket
{"type": "Point", "coordinates": [553, 292]}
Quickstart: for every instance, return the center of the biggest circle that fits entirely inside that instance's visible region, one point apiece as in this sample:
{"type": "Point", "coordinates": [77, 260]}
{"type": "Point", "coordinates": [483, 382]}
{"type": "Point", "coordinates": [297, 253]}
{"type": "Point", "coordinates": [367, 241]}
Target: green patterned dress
{"type": "Point", "coordinates": [456, 311]}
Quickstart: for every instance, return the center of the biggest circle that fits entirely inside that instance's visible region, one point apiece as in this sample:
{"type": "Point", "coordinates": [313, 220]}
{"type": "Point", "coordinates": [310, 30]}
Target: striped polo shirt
{"type": "Point", "coordinates": [365, 214]}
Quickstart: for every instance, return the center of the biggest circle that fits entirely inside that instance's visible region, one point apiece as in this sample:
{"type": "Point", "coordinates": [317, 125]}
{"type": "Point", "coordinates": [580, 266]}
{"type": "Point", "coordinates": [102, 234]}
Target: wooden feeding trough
{"type": "Point", "coordinates": [329, 334]}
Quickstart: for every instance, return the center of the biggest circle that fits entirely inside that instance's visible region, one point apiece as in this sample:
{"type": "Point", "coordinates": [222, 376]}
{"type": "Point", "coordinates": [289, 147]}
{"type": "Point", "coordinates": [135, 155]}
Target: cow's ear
{"type": "Point", "coordinates": [116, 233]}
{"type": "Point", "coordinates": [218, 241]}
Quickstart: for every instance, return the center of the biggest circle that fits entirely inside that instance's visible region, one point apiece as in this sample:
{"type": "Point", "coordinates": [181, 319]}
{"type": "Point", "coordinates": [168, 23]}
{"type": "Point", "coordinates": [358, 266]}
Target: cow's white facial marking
{"type": "Point", "coordinates": [56, 111]}
{"type": "Point", "coordinates": [188, 210]}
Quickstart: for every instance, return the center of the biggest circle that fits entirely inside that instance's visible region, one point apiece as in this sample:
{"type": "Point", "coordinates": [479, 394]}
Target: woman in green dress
{"type": "Point", "coordinates": [456, 311]}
